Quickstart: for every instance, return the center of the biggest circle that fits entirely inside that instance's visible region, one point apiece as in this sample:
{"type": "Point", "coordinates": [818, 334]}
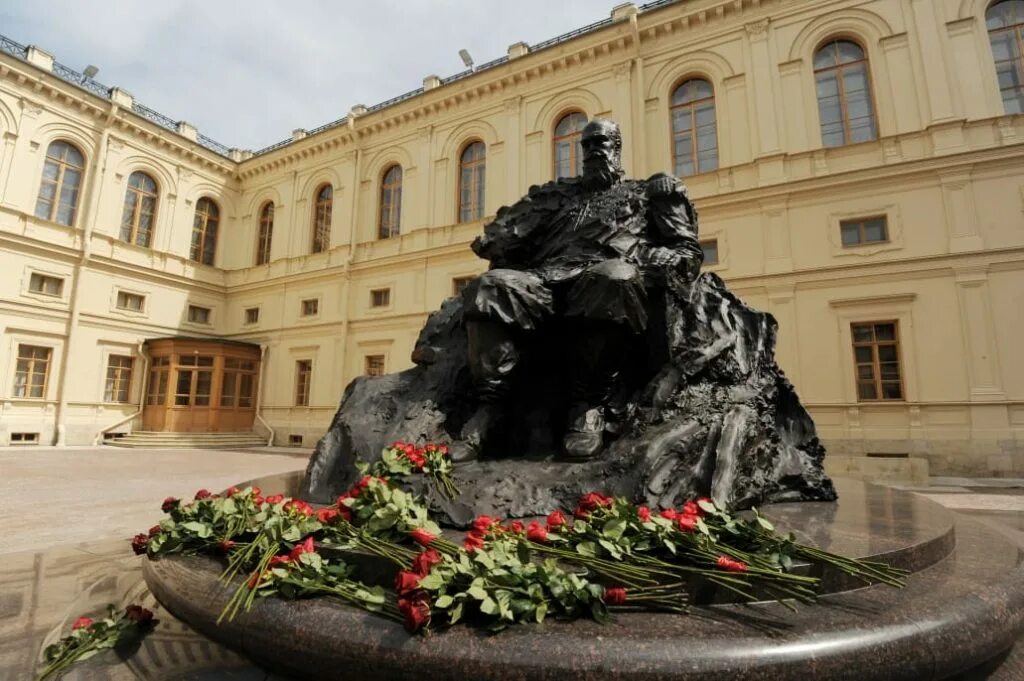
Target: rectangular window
{"type": "Point", "coordinates": [252, 315]}
{"type": "Point", "coordinates": [303, 377]}
{"type": "Point", "coordinates": [32, 371]}
{"type": "Point", "coordinates": [380, 297]}
{"type": "Point", "coordinates": [159, 373]}
{"type": "Point", "coordinates": [710, 250]}
{"type": "Point", "coordinates": [119, 378]}
{"type": "Point", "coordinates": [24, 438]}
{"type": "Point", "coordinates": [294, 440]}
{"type": "Point", "coordinates": [238, 382]}
{"type": "Point", "coordinates": [46, 285]}
{"type": "Point", "coordinates": [876, 356]}
{"type": "Point", "coordinates": [310, 307]}
{"type": "Point", "coordinates": [132, 302]}
{"type": "Point", "coordinates": [198, 315]}
{"type": "Point", "coordinates": [862, 231]}
{"type": "Point", "coordinates": [459, 285]}
{"type": "Point", "coordinates": [374, 365]}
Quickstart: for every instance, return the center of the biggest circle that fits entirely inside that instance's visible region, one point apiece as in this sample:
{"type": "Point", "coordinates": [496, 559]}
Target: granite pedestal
{"type": "Point", "coordinates": [963, 606]}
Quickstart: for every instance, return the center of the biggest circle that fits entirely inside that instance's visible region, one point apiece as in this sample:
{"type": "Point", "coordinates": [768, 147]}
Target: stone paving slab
{"type": "Point", "coordinates": [62, 496]}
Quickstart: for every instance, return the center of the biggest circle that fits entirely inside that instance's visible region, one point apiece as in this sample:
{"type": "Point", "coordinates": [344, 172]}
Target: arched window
{"type": "Point", "coordinates": [568, 153]}
{"type": "Point", "coordinates": [844, 94]}
{"type": "Point", "coordinates": [139, 209]}
{"type": "Point", "coordinates": [204, 231]}
{"type": "Point", "coordinates": [694, 135]}
{"type": "Point", "coordinates": [62, 180]}
{"type": "Point", "coordinates": [266, 233]}
{"type": "Point", "coordinates": [390, 203]}
{"type": "Point", "coordinates": [1005, 21]}
{"type": "Point", "coordinates": [322, 219]}
{"type": "Point", "coordinates": [472, 168]}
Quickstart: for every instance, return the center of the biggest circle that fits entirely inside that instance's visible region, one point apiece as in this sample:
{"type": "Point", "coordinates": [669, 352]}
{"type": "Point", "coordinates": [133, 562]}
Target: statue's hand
{"type": "Point", "coordinates": [662, 184]}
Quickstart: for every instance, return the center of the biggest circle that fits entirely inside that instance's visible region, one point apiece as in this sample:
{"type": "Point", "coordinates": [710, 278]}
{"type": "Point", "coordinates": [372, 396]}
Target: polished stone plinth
{"type": "Point", "coordinates": [964, 605]}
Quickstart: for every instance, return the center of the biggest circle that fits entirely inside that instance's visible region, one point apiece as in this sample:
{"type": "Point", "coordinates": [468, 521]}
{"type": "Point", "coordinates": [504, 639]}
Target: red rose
{"type": "Point", "coordinates": [425, 560]}
{"type": "Point", "coordinates": [516, 527]}
{"type": "Point", "coordinates": [687, 523]}
{"type": "Point", "coordinates": [406, 581]}
{"type": "Point", "coordinates": [443, 449]}
{"type": "Point", "coordinates": [281, 559]}
{"type": "Point", "coordinates": [138, 614]}
{"type": "Point", "coordinates": [81, 623]}
{"type": "Point", "coordinates": [416, 458]}
{"type": "Point", "coordinates": [254, 580]}
{"type": "Point", "coordinates": [729, 565]}
{"type": "Point", "coordinates": [256, 491]}
{"type": "Point", "coordinates": [203, 494]}
{"type": "Point", "coordinates": [690, 508]}
{"type": "Point", "coordinates": [643, 513]}
{"type": "Point", "coordinates": [227, 545]}
{"type": "Point", "coordinates": [430, 447]}
{"type": "Point", "coordinates": [473, 541]}
{"type": "Point", "coordinates": [306, 546]}
{"type": "Point", "coordinates": [594, 500]}
{"type": "Point", "coordinates": [300, 506]}
{"type": "Point", "coordinates": [232, 491]}
{"type": "Point", "coordinates": [155, 530]}
{"type": "Point", "coordinates": [556, 519]}
{"type": "Point", "coordinates": [416, 613]}
{"type": "Point", "coordinates": [615, 595]}
{"type": "Point", "coordinates": [170, 503]}
{"type": "Point", "coordinates": [275, 499]}
{"type": "Point", "coordinates": [327, 515]}
{"type": "Point", "coordinates": [364, 482]}
{"type": "Point", "coordinates": [422, 537]}
{"type": "Point", "coordinates": [484, 523]}
{"type": "Point", "coordinates": [536, 533]}
{"type": "Point", "coordinates": [345, 512]}
{"type": "Point", "coordinates": [140, 543]}
{"type": "Point", "coordinates": [669, 514]}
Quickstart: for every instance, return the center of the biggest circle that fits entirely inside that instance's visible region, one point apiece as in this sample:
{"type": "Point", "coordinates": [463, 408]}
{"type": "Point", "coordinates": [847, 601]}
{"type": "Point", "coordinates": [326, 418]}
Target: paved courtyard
{"type": "Point", "coordinates": [53, 497]}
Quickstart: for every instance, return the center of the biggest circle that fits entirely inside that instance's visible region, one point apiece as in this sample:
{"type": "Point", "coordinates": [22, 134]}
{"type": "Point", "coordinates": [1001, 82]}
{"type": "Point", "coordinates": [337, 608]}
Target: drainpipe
{"type": "Point", "coordinates": [99, 168]}
{"type": "Point", "coordinates": [142, 395]}
{"type": "Point", "coordinates": [259, 394]}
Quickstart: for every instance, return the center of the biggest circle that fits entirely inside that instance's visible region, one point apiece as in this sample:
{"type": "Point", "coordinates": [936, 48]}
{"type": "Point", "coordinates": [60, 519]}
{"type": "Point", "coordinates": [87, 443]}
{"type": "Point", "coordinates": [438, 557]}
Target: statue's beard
{"type": "Point", "coordinates": [600, 175]}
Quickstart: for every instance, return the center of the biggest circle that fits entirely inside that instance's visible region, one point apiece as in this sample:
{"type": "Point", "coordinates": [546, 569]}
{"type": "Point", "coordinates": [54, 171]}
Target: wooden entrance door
{"type": "Point", "coordinates": [193, 387]}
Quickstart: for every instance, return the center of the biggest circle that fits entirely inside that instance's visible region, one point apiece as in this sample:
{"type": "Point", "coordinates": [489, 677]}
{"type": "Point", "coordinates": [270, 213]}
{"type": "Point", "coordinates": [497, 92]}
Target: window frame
{"type": "Point", "coordinates": [1018, 35]}
{"type": "Point", "coordinates": [478, 183]}
{"type": "Point", "coordinates": [264, 232]}
{"type": "Point", "coordinates": [30, 372]}
{"type": "Point", "coordinates": [466, 280]}
{"type": "Point", "coordinates": [874, 344]}
{"type": "Point", "coordinates": [303, 382]}
{"type": "Point", "coordinates": [304, 303]}
{"type": "Point", "coordinates": [386, 291]}
{"type": "Point", "coordinates": [367, 359]}
{"type": "Point", "coordinates": [574, 149]}
{"type": "Point", "coordinates": [122, 379]}
{"type": "Point", "coordinates": [140, 197]}
{"type": "Point", "coordinates": [63, 165]}
{"type": "Point", "coordinates": [43, 277]}
{"type": "Point", "coordinates": [120, 308]}
{"type": "Point", "coordinates": [390, 218]}
{"type": "Point", "coordinates": [194, 306]}
{"type": "Point", "coordinates": [861, 223]}
{"type": "Point", "coordinates": [869, 86]}
{"type": "Point", "coordinates": [323, 210]}
{"type": "Point", "coordinates": [245, 315]}
{"type": "Point", "coordinates": [201, 226]}
{"type": "Point", "coordinates": [692, 106]}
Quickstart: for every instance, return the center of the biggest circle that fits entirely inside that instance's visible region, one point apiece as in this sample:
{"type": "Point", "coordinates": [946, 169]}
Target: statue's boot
{"type": "Point", "coordinates": [597, 358]}
{"type": "Point", "coordinates": [493, 357]}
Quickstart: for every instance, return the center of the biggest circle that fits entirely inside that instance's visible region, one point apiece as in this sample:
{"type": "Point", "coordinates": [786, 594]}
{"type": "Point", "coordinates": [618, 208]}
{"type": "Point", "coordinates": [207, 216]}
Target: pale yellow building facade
{"type": "Point", "coordinates": [897, 227]}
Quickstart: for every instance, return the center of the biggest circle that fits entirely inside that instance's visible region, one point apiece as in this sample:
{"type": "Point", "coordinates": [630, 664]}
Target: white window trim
{"type": "Point", "coordinates": [893, 227]}
{"type": "Point", "coordinates": [135, 314]}
{"type": "Point", "coordinates": [319, 308]}
{"type": "Point", "coordinates": [56, 350]}
{"type": "Point", "coordinates": [27, 292]}
{"type": "Point", "coordinates": [125, 351]}
{"type": "Point", "coordinates": [382, 309]}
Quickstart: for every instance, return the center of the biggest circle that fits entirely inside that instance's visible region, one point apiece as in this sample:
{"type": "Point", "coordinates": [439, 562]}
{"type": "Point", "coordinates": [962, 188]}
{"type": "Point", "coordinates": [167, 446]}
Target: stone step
{"type": "Point", "coordinates": [169, 440]}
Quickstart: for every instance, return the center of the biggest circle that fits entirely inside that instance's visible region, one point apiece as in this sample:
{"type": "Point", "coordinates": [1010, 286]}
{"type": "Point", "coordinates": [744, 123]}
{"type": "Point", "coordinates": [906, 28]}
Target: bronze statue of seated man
{"type": "Point", "coordinates": [587, 251]}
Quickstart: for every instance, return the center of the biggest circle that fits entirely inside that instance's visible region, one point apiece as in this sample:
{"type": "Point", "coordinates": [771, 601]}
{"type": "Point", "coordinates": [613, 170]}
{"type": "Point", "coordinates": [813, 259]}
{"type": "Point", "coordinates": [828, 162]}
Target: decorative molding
{"type": "Point", "coordinates": [757, 30]}
{"type": "Point", "coordinates": [887, 299]}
